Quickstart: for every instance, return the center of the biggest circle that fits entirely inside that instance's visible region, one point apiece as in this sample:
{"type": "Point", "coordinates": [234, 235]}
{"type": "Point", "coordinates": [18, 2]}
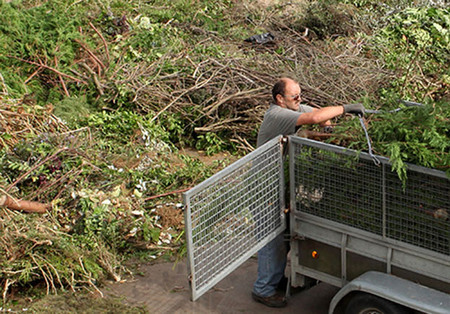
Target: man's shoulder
{"type": "Point", "coordinates": [275, 110]}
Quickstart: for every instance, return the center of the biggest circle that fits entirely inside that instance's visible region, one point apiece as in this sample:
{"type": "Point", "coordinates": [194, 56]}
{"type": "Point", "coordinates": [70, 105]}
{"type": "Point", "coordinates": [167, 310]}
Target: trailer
{"type": "Point", "coordinates": [353, 224]}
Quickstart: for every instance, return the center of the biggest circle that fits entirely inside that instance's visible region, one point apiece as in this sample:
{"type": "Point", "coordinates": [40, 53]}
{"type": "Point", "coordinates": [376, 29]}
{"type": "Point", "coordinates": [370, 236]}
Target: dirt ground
{"type": "Point", "coordinates": [164, 288]}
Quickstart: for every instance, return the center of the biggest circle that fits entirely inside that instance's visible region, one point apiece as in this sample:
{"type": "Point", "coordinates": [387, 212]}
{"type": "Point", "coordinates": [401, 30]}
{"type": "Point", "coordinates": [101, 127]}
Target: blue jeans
{"type": "Point", "coordinates": [271, 265]}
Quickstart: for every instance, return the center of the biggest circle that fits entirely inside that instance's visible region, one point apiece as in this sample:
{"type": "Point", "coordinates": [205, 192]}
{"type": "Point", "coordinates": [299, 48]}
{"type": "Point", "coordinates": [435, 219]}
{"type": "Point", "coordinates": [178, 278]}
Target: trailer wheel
{"type": "Point", "coordinates": [365, 303]}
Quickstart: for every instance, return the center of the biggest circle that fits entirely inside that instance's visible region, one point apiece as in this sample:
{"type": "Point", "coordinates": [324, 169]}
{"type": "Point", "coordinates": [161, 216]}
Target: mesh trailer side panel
{"type": "Point", "coordinates": [348, 188]}
{"type": "Point", "coordinates": [233, 214]}
{"type": "Point", "coordinates": [414, 211]}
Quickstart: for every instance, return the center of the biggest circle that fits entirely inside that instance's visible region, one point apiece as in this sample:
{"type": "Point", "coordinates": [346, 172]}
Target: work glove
{"type": "Point", "coordinates": [356, 109]}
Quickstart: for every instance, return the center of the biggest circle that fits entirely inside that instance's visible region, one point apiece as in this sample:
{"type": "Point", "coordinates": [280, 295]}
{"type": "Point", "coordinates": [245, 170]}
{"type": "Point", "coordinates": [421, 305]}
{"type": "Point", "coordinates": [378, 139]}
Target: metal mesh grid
{"type": "Point", "coordinates": [336, 184]}
{"type": "Point", "coordinates": [418, 214]}
{"type": "Point", "coordinates": [231, 213]}
{"type": "Point", "coordinates": [338, 187]}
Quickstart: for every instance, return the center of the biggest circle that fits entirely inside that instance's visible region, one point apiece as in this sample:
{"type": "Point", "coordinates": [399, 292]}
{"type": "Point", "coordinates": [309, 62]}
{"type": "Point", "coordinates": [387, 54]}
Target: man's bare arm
{"type": "Point", "coordinates": [320, 116]}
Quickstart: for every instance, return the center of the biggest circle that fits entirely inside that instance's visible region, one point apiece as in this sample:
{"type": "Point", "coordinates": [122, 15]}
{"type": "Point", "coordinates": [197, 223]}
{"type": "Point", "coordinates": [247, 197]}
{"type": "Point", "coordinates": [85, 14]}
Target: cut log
{"type": "Point", "coordinates": [27, 206]}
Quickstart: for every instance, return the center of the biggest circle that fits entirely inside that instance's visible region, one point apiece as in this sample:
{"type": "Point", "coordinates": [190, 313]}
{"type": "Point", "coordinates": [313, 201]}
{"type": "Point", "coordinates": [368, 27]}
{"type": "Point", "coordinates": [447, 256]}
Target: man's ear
{"type": "Point", "coordinates": [280, 99]}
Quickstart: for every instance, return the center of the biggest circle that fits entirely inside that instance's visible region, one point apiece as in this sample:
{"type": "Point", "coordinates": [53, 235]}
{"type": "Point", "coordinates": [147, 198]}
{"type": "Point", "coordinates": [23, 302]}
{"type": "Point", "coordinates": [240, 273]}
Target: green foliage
{"type": "Point", "coordinates": [99, 214]}
{"type": "Point", "coordinates": [421, 29]}
{"type": "Point", "coordinates": [46, 32]}
{"type": "Point", "coordinates": [73, 109]}
{"type": "Point", "coordinates": [37, 247]}
{"type": "Point", "coordinates": [114, 161]}
{"type": "Point", "coordinates": [194, 171]}
{"type": "Point", "coordinates": [211, 143]}
{"type": "Point", "coordinates": [416, 42]}
{"type": "Point", "coordinates": [126, 128]}
{"type": "Point", "coordinates": [151, 41]}
{"type": "Point", "coordinates": [210, 15]}
{"type": "Point", "coordinates": [416, 135]}
{"type": "Point", "coordinates": [329, 18]}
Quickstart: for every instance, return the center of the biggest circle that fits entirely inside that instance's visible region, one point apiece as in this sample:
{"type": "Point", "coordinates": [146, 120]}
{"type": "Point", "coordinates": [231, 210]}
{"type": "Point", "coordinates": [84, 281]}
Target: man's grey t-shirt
{"type": "Point", "coordinates": [279, 121]}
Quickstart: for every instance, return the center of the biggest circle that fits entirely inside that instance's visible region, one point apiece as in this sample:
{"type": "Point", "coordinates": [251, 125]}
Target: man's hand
{"type": "Point", "coordinates": [356, 109]}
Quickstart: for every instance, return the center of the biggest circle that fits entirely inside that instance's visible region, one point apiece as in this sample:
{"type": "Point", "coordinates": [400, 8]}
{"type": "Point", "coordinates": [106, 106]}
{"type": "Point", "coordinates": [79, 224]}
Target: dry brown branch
{"type": "Point", "coordinates": [165, 194]}
{"type": "Point", "coordinates": [225, 124]}
{"type": "Point", "coordinates": [90, 53]}
{"type": "Point", "coordinates": [49, 68]}
{"type": "Point", "coordinates": [230, 94]}
{"type": "Point", "coordinates": [19, 123]}
{"type": "Point", "coordinates": [94, 76]}
{"type": "Point", "coordinates": [62, 80]}
{"type": "Point", "coordinates": [5, 288]}
{"type": "Point", "coordinates": [210, 109]}
{"type": "Point", "coordinates": [33, 75]}
{"type": "Point", "coordinates": [27, 206]}
{"type": "Point", "coordinates": [103, 40]}
{"type": "Point", "coordinates": [243, 144]}
{"type": "Point", "coordinates": [11, 113]}
{"type": "Point", "coordinates": [158, 247]}
{"type": "Point", "coordinates": [195, 87]}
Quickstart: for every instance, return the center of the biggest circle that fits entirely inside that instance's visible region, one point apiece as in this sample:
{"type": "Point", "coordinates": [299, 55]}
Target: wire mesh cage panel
{"type": "Point", "coordinates": [343, 186]}
{"type": "Point", "coordinates": [418, 213]}
{"type": "Point", "coordinates": [233, 214]}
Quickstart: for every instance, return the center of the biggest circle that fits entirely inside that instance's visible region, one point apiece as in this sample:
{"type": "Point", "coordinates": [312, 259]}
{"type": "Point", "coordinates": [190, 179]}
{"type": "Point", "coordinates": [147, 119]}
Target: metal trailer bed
{"type": "Point", "coordinates": [353, 224]}
{"type": "Point", "coordinates": [351, 217]}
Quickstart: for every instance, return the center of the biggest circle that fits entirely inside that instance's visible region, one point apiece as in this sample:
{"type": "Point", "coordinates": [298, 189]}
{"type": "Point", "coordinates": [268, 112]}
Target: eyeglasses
{"type": "Point", "coordinates": [294, 97]}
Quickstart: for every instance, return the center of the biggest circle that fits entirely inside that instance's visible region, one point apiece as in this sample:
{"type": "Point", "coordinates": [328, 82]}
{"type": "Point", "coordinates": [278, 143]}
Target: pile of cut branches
{"type": "Point", "coordinates": [154, 77]}
{"type": "Point", "coordinates": [230, 94]}
{"type": "Point", "coordinates": [36, 250]}
{"type": "Point", "coordinates": [19, 121]}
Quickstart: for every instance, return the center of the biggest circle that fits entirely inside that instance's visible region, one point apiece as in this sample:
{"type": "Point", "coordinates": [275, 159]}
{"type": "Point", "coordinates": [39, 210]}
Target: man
{"type": "Point", "coordinates": [284, 118]}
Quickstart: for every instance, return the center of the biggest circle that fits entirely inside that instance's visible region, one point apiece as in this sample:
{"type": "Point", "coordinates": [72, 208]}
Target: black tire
{"type": "Point", "coordinates": [365, 303]}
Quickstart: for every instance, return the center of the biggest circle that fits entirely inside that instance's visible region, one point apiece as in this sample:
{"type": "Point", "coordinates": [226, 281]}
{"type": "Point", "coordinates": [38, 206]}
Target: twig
{"type": "Point", "coordinates": [61, 79]}
{"type": "Point", "coordinates": [48, 68]}
{"type": "Point", "coordinates": [88, 276]}
{"type": "Point", "coordinates": [103, 39]}
{"type": "Point", "coordinates": [220, 125]}
{"type": "Point", "coordinates": [410, 65]}
{"type": "Point", "coordinates": [216, 105]}
{"type": "Point", "coordinates": [68, 184]}
{"type": "Point", "coordinates": [165, 194]}
{"type": "Point", "coordinates": [91, 54]}
{"type": "Point", "coordinates": [46, 187]}
{"type": "Point", "coordinates": [5, 289]}
{"type": "Point", "coordinates": [15, 113]}
{"type": "Point", "coordinates": [5, 89]}
{"type": "Point", "coordinates": [246, 145]}
{"type": "Point", "coordinates": [44, 274]}
{"type": "Point", "coordinates": [195, 87]}
{"type": "Point", "coordinates": [75, 3]}
{"type": "Point", "coordinates": [94, 77]}
{"type": "Point", "coordinates": [157, 247]}
{"type": "Point", "coordinates": [33, 75]}
{"type": "Point", "coordinates": [35, 167]}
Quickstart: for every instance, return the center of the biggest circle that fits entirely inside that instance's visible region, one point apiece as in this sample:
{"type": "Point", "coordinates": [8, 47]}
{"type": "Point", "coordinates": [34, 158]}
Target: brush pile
{"type": "Point", "coordinates": [98, 104]}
